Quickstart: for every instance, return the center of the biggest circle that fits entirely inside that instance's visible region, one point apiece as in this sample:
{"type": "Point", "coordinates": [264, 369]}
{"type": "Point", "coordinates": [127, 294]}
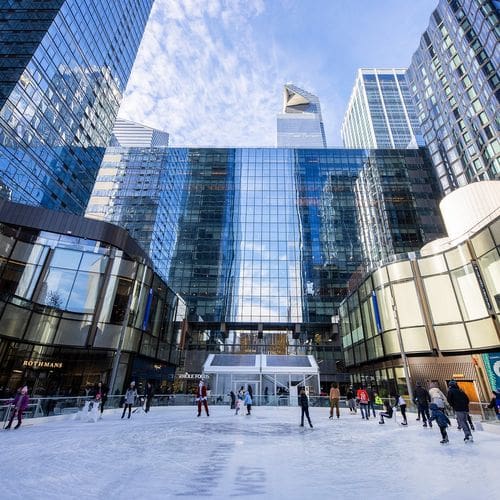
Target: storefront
{"type": "Point", "coordinates": [79, 302]}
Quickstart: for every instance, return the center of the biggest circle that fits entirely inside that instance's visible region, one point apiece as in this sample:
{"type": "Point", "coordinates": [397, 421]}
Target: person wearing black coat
{"type": "Point", "coordinates": [387, 413]}
{"type": "Point", "coordinates": [422, 398]}
{"type": "Point", "coordinates": [304, 404]}
{"type": "Point", "coordinates": [149, 392]}
{"type": "Point", "coordinates": [459, 401]}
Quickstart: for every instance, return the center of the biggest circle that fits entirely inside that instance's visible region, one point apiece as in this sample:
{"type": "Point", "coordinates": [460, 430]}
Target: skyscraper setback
{"type": "Point", "coordinates": [62, 81]}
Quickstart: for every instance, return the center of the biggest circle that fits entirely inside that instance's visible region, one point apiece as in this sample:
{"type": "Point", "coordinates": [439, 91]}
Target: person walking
{"type": "Point", "coordinates": [441, 419]}
{"type": "Point", "coordinates": [248, 402]}
{"type": "Point", "coordinates": [401, 403]}
{"type": "Point", "coordinates": [334, 400]}
{"type": "Point", "coordinates": [201, 397]}
{"type": "Point", "coordinates": [130, 397]}
{"type": "Point", "coordinates": [351, 401]}
{"type": "Point", "coordinates": [363, 398]}
{"type": "Point", "coordinates": [304, 404]}
{"type": "Point", "coordinates": [422, 400]}
{"type": "Point", "coordinates": [459, 401]}
{"type": "Point", "coordinates": [20, 403]}
{"type": "Point", "coordinates": [387, 413]}
{"type": "Point", "coordinates": [149, 393]}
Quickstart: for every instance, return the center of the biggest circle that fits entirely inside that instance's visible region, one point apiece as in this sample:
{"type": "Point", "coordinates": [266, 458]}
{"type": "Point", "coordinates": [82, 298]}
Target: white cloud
{"type": "Point", "coordinates": [199, 75]}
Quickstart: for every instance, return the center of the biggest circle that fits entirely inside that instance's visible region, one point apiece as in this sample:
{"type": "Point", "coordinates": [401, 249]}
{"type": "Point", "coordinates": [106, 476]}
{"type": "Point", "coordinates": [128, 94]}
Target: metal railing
{"type": "Point", "coordinates": [53, 406]}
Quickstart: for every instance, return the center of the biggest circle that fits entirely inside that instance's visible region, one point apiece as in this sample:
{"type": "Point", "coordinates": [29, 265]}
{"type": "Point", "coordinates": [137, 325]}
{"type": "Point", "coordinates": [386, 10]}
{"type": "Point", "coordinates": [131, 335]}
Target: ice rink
{"type": "Point", "coordinates": [171, 453]}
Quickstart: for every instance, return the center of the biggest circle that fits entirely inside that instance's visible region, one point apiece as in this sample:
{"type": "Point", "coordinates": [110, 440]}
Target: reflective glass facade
{"type": "Point", "coordinates": [300, 125]}
{"type": "Point", "coordinates": [260, 242]}
{"type": "Point", "coordinates": [65, 65]}
{"type": "Point", "coordinates": [380, 113]}
{"type": "Point", "coordinates": [72, 299]}
{"type": "Point", "coordinates": [141, 190]}
{"type": "Point", "coordinates": [397, 202]}
{"type": "Point", "coordinates": [454, 79]}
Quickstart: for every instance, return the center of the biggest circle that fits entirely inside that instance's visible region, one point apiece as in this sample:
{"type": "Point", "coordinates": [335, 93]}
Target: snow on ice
{"type": "Point", "coordinates": [172, 453]}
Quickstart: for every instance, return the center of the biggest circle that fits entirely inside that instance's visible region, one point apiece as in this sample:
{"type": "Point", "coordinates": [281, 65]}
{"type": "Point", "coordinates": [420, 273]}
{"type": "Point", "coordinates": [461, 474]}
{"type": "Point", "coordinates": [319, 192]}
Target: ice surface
{"type": "Point", "coordinates": [171, 453]}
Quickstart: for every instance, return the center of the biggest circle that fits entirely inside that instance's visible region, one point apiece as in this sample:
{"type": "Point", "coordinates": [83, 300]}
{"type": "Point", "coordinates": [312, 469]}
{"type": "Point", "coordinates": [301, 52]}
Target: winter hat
{"type": "Point", "coordinates": [453, 383]}
{"type": "Point", "coordinates": [132, 383]}
{"type": "Point", "coordinates": [24, 390]}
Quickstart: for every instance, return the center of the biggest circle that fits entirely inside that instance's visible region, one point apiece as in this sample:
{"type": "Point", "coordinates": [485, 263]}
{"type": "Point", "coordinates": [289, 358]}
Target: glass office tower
{"type": "Point", "coordinates": [454, 79]}
{"type": "Point", "coordinates": [261, 242]}
{"type": "Point", "coordinates": [300, 125]}
{"type": "Point", "coordinates": [380, 113]}
{"type": "Point", "coordinates": [65, 65]}
{"type": "Point", "coordinates": [128, 134]}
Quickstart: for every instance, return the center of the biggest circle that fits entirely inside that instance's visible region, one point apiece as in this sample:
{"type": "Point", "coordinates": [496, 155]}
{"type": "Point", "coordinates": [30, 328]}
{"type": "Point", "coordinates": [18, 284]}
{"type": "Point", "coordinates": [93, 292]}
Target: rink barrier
{"type": "Point", "coordinates": [42, 407]}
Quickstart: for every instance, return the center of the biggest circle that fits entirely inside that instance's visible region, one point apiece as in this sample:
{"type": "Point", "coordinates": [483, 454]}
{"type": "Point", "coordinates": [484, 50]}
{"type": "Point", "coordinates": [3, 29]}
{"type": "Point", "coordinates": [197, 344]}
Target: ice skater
{"type": "Point", "coordinates": [149, 392]}
{"type": "Point", "coordinates": [101, 396]}
{"type": "Point", "coordinates": [459, 401]}
{"type": "Point", "coordinates": [441, 419]}
{"type": "Point", "coordinates": [422, 400]}
{"type": "Point", "coordinates": [232, 395]}
{"type": "Point", "coordinates": [401, 403]}
{"type": "Point", "coordinates": [20, 403]}
{"type": "Point", "coordinates": [130, 397]}
{"type": "Point", "coordinates": [334, 400]}
{"type": "Point", "coordinates": [304, 404]}
{"type": "Point", "coordinates": [387, 413]}
{"type": "Point", "coordinates": [239, 401]}
{"type": "Point", "coordinates": [437, 397]}
{"type": "Point", "coordinates": [201, 397]}
{"type": "Point", "coordinates": [495, 404]}
{"type": "Point", "coordinates": [363, 399]}
{"type": "Point", "coordinates": [351, 401]}
{"type": "Point", "coordinates": [248, 402]}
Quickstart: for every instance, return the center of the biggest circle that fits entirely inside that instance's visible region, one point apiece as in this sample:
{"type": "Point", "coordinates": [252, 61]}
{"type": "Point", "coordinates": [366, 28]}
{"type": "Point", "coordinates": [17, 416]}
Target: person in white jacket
{"type": "Point", "coordinates": [130, 397]}
{"type": "Point", "coordinates": [437, 397]}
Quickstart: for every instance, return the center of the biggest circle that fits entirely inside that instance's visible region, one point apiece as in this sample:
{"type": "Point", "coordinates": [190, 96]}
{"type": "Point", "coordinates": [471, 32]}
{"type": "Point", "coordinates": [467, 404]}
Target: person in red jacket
{"type": "Point", "coordinates": [201, 397]}
{"type": "Point", "coordinates": [364, 399]}
{"type": "Point", "coordinates": [20, 404]}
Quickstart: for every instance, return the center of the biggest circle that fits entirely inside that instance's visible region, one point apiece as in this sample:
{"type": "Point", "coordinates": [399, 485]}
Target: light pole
{"type": "Point", "coordinates": [404, 359]}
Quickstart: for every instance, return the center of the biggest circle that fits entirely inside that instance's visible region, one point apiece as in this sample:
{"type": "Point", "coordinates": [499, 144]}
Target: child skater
{"type": "Point", "coordinates": [441, 419]}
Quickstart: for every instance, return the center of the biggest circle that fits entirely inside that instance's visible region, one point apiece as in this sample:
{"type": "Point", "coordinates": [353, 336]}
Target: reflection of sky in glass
{"type": "Point", "coordinates": [267, 266]}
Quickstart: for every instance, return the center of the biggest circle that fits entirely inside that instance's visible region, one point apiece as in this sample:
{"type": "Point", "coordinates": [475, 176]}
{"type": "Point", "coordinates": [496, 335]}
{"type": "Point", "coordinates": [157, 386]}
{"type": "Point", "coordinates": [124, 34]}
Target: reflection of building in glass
{"type": "Point", "coordinates": [300, 125]}
{"type": "Point", "coordinates": [261, 242]}
{"type": "Point", "coordinates": [127, 134]}
{"type": "Point", "coordinates": [440, 306]}
{"type": "Point", "coordinates": [396, 206]}
{"type": "Point", "coordinates": [380, 113]}
{"type": "Point", "coordinates": [70, 289]}
{"type": "Point", "coordinates": [136, 189]}
{"type": "Point", "coordinates": [60, 95]}
{"type": "Point", "coordinates": [455, 82]}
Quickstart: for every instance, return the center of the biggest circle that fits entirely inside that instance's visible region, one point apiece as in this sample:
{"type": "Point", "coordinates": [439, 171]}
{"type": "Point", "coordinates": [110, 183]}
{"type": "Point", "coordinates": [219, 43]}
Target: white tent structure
{"type": "Point", "coordinates": [270, 376]}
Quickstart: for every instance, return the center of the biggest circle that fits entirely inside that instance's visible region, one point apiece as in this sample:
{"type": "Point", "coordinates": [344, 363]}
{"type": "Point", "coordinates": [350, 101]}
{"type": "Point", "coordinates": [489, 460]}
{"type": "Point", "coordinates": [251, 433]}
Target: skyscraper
{"type": "Point", "coordinates": [380, 113]}
{"type": "Point", "coordinates": [454, 79]}
{"type": "Point", "coordinates": [128, 134]}
{"type": "Point", "coordinates": [300, 125]}
{"type": "Point", "coordinates": [65, 65]}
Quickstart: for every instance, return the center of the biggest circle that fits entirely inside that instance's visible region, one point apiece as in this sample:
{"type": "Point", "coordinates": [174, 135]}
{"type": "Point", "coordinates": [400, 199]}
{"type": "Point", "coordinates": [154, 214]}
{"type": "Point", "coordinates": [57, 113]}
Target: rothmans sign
{"type": "Point", "coordinates": [41, 364]}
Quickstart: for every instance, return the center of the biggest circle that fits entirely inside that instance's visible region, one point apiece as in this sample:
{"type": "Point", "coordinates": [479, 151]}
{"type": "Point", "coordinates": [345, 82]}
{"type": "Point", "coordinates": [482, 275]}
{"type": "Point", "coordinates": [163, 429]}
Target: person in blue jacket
{"type": "Point", "coordinates": [248, 402]}
{"type": "Point", "coordinates": [441, 419]}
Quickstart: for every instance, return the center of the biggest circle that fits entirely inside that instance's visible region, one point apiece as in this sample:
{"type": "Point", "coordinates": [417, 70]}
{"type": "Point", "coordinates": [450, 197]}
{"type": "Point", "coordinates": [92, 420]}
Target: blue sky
{"type": "Point", "coordinates": [211, 72]}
